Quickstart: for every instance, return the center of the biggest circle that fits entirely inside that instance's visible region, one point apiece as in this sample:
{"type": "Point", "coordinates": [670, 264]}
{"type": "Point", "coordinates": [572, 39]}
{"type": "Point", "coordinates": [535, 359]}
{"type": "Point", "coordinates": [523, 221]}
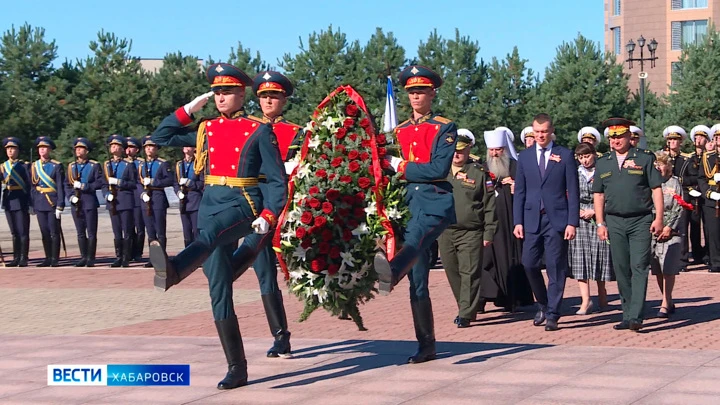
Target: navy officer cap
{"type": "Point", "coordinates": [132, 142]}
{"type": "Point", "coordinates": [116, 140]}
{"type": "Point", "coordinates": [420, 76]}
{"type": "Point", "coordinates": [223, 76]}
{"type": "Point", "coordinates": [44, 141]}
{"type": "Point", "coordinates": [83, 143]}
{"type": "Point", "coordinates": [11, 141]}
{"type": "Point", "coordinates": [148, 141]}
{"type": "Point", "coordinates": [272, 81]}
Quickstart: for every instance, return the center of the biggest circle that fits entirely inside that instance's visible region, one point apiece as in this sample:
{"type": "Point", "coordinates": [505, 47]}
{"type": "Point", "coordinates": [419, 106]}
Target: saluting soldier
{"type": "Point", "coordinates": [48, 198]}
{"type": "Point", "coordinates": [232, 149]}
{"type": "Point", "coordinates": [527, 136]}
{"type": "Point", "coordinates": [460, 244]}
{"type": "Point", "coordinates": [15, 175]}
{"type": "Point", "coordinates": [709, 185]}
{"type": "Point", "coordinates": [428, 145]}
{"type": "Point", "coordinates": [119, 190]}
{"type": "Point", "coordinates": [133, 150]}
{"type": "Point", "coordinates": [154, 175]}
{"type": "Point", "coordinates": [84, 178]}
{"type": "Point", "coordinates": [626, 187]}
{"type": "Point", "coordinates": [189, 188]}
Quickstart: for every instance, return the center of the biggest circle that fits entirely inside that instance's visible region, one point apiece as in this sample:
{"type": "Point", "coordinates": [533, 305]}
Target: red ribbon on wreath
{"type": "Point", "coordinates": [390, 244]}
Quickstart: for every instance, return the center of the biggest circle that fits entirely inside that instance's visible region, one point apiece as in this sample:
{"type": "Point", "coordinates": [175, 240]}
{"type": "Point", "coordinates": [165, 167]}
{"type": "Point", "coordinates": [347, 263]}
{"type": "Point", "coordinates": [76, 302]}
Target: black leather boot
{"type": "Point", "coordinates": [171, 271]}
{"type": "Point", "coordinates": [82, 244]}
{"type": "Point", "coordinates": [16, 252]}
{"type": "Point", "coordinates": [232, 344]}
{"type": "Point", "coordinates": [91, 250]}
{"type": "Point", "coordinates": [277, 320]}
{"type": "Point", "coordinates": [48, 252]}
{"type": "Point", "coordinates": [138, 246]}
{"type": "Point", "coordinates": [424, 331]}
{"type": "Point", "coordinates": [24, 251]}
{"type": "Point", "coordinates": [126, 252]}
{"type": "Point", "coordinates": [243, 257]}
{"type": "Point", "coordinates": [387, 276]}
{"type": "Point", "coordinates": [118, 253]}
{"type": "Point", "coordinates": [149, 262]}
{"type": "Point", "coordinates": [187, 242]}
{"type": "Point", "coordinates": [55, 253]}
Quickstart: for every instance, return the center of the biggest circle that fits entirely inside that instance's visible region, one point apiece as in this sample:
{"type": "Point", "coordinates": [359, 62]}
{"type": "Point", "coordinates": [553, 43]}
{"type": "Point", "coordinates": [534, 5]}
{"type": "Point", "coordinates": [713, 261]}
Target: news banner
{"type": "Point", "coordinates": [117, 375]}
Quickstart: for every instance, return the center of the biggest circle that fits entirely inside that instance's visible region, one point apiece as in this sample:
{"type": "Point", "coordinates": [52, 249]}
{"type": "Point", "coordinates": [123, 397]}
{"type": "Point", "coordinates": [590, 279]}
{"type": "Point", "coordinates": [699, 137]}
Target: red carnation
{"type": "Point", "coordinates": [332, 194]}
{"type": "Point", "coordinates": [348, 122]}
{"type": "Point", "coordinates": [365, 123]}
{"type": "Point", "coordinates": [359, 212]}
{"type": "Point", "coordinates": [364, 156]}
{"type": "Point", "coordinates": [346, 179]}
{"type": "Point", "coordinates": [323, 248]}
{"type": "Point", "coordinates": [313, 229]}
{"type": "Point", "coordinates": [321, 173]}
{"type": "Point", "coordinates": [327, 207]}
{"type": "Point", "coordinates": [314, 203]}
{"type": "Point", "coordinates": [360, 196]}
{"type": "Point", "coordinates": [327, 235]}
{"type": "Point", "coordinates": [334, 252]}
{"type": "Point", "coordinates": [364, 182]}
{"type": "Point", "coordinates": [300, 233]}
{"type": "Point", "coordinates": [340, 148]}
{"type": "Point", "coordinates": [352, 224]}
{"type": "Point", "coordinates": [365, 143]}
{"type": "Point", "coordinates": [333, 269]}
{"type": "Point", "coordinates": [332, 176]}
{"type": "Point", "coordinates": [338, 220]}
{"type": "Point", "coordinates": [351, 110]}
{"type": "Point", "coordinates": [354, 166]}
{"type": "Point", "coordinates": [306, 243]}
{"type": "Point", "coordinates": [318, 264]}
{"type": "Point", "coordinates": [347, 235]}
{"type": "Point", "coordinates": [380, 139]}
{"type": "Point", "coordinates": [320, 221]}
{"type": "Point", "coordinates": [385, 181]}
{"type": "Point", "coordinates": [340, 134]}
{"type": "Point", "coordinates": [328, 145]}
{"type": "Point", "coordinates": [382, 152]}
{"type": "Point", "coordinates": [353, 154]}
{"type": "Point", "coordinates": [306, 218]}
{"type": "Point", "coordinates": [314, 190]}
{"type": "Point", "coordinates": [348, 199]}
{"type": "Point", "coordinates": [344, 212]}
{"type": "Point", "coordinates": [384, 164]}
{"type": "Point", "coordinates": [323, 157]}
{"type": "Point", "coordinates": [336, 162]}
{"type": "Point", "coordinates": [353, 137]}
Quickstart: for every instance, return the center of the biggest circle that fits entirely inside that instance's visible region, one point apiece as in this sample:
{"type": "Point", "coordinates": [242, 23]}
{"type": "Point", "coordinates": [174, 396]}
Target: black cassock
{"type": "Point", "coordinates": [503, 280]}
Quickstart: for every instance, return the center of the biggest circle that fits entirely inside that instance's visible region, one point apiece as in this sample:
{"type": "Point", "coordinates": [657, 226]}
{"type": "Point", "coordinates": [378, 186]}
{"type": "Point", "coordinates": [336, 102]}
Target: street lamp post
{"type": "Point", "coordinates": [652, 47]}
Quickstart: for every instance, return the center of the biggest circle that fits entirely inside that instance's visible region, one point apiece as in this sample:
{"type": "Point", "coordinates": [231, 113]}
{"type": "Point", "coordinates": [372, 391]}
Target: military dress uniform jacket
{"type": "Point", "coordinates": [428, 146]}
{"type": "Point", "coordinates": [193, 189]}
{"type": "Point", "coordinates": [231, 151]}
{"type": "Point", "coordinates": [685, 168]}
{"type": "Point", "coordinates": [124, 191]}
{"type": "Point", "coordinates": [707, 184]}
{"type": "Point", "coordinates": [138, 162]}
{"type": "Point", "coordinates": [474, 195]}
{"type": "Point", "coordinates": [15, 175]}
{"type": "Point", "coordinates": [628, 190]}
{"type": "Point", "coordinates": [89, 174]}
{"type": "Point", "coordinates": [48, 193]}
{"type": "Point", "coordinates": [159, 171]}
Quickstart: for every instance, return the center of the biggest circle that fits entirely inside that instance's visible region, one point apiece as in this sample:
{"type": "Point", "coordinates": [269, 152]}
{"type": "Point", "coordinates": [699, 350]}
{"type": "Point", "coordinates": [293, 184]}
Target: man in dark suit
{"type": "Point", "coordinates": [546, 212]}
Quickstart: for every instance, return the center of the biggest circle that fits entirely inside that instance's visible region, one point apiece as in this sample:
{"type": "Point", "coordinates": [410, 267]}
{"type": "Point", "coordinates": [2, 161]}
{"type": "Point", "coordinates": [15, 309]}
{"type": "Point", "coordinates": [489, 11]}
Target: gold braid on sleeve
{"type": "Point", "coordinates": [200, 151]}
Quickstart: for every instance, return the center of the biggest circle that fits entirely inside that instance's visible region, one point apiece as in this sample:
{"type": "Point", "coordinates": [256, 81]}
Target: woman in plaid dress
{"type": "Point", "coordinates": [588, 256]}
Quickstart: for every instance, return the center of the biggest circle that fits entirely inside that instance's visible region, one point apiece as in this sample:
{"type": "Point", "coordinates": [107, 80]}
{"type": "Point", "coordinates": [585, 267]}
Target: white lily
{"type": "Point", "coordinates": [294, 215]}
{"type": "Point", "coordinates": [296, 274]}
{"type": "Point", "coordinates": [393, 213]}
{"type": "Point", "coordinates": [300, 253]}
{"type": "Point", "coordinates": [288, 234]}
{"type": "Point", "coordinates": [314, 142]}
{"type": "Point", "coordinates": [321, 294]}
{"type": "Point", "coordinates": [309, 127]}
{"type": "Point", "coordinates": [347, 258]}
{"type": "Point", "coordinates": [303, 171]}
{"type": "Point", "coordinates": [298, 197]}
{"type": "Point", "coordinates": [329, 123]}
{"type": "Point", "coordinates": [362, 229]}
{"type": "Point", "coordinates": [371, 208]}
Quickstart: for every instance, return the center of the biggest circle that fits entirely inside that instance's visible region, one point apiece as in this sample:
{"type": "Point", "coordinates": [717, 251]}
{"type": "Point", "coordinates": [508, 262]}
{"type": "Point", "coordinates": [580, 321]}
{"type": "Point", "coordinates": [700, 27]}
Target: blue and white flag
{"type": "Point", "coordinates": [390, 116]}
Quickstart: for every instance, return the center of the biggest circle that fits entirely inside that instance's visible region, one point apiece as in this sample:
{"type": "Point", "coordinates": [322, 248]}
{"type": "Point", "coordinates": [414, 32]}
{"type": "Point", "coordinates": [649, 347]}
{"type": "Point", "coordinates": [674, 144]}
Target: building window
{"type": "Point", "coordinates": [616, 7]}
{"type": "Point", "coordinates": [686, 4]}
{"type": "Point", "coordinates": [688, 33]}
{"type": "Point", "coordinates": [617, 41]}
{"type": "Point", "coordinates": [675, 71]}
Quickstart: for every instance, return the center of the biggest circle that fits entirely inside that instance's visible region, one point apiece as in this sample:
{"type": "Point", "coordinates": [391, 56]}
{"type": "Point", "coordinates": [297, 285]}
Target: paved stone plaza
{"type": "Point", "coordinates": [73, 315]}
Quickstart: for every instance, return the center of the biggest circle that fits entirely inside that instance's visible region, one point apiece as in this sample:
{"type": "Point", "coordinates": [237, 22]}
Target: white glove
{"type": "Point", "coordinates": [289, 167]}
{"type": "Point", "coordinates": [113, 181]}
{"type": "Point", "coordinates": [716, 177]}
{"type": "Point", "coordinates": [74, 200]}
{"type": "Point", "coordinates": [110, 198]}
{"type": "Point", "coordinates": [58, 212]}
{"type": "Point", "coordinates": [198, 103]}
{"type": "Point", "coordinates": [394, 162]}
{"type": "Point", "coordinates": [183, 181]}
{"type": "Point", "coordinates": [77, 185]}
{"type": "Point", "coordinates": [261, 226]}
{"type": "Point", "coordinates": [181, 195]}
{"type": "Point", "coordinates": [715, 196]}
{"type": "Point", "coordinates": [695, 193]}
{"type": "Point", "coordinates": [147, 181]}
{"type": "Point", "coordinates": [145, 197]}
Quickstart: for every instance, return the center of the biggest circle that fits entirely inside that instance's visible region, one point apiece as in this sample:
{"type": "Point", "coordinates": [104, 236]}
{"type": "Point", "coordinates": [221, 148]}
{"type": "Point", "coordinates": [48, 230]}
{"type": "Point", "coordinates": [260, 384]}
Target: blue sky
{"type": "Point", "coordinates": [203, 28]}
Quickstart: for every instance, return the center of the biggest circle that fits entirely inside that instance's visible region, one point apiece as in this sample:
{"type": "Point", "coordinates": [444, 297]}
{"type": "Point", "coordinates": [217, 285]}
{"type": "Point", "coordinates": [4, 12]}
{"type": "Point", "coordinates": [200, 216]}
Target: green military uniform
{"type": "Point", "coordinates": [628, 213]}
{"type": "Point", "coordinates": [461, 244]}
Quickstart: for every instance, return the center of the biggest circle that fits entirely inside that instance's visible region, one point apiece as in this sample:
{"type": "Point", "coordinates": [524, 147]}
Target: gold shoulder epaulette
{"type": "Point", "coordinates": [128, 159]}
{"type": "Point", "coordinates": [475, 157]}
{"type": "Point", "coordinates": [92, 161]}
{"type": "Point", "coordinates": [140, 159]}
{"type": "Point", "coordinates": [442, 120]}
{"type": "Point", "coordinates": [599, 154]}
{"type": "Point", "coordinates": [687, 155]}
{"type": "Point", "coordinates": [607, 154]}
{"type": "Point", "coordinates": [710, 152]}
{"type": "Point", "coordinates": [401, 124]}
{"type": "Point", "coordinates": [254, 118]}
{"type": "Point", "coordinates": [55, 161]}
{"type": "Point", "coordinates": [161, 159]}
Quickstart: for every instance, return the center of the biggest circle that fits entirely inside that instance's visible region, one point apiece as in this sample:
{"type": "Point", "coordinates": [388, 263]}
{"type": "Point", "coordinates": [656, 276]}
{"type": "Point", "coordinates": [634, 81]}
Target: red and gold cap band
{"type": "Point", "coordinates": [226, 81]}
{"type": "Point", "coordinates": [270, 86]}
{"type": "Point", "coordinates": [617, 130]}
{"type": "Point", "coordinates": [418, 81]}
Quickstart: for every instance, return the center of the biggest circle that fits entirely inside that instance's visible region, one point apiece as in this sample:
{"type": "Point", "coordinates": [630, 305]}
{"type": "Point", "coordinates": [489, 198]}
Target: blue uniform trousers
{"type": "Point", "coordinates": [86, 222]}
{"type": "Point", "coordinates": [18, 222]}
{"type": "Point", "coordinates": [189, 225]}
{"type": "Point", "coordinates": [155, 224]}
{"type": "Point", "coordinates": [122, 224]}
{"type": "Point", "coordinates": [49, 225]}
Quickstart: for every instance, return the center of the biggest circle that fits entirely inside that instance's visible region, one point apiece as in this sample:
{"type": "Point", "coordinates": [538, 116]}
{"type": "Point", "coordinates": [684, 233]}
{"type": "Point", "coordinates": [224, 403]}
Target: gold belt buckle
{"type": "Point", "coordinates": [223, 180]}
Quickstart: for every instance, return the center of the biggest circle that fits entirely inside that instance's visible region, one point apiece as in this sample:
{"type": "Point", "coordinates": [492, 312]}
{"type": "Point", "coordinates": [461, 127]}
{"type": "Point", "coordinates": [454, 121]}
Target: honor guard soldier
{"type": "Point", "coordinates": [272, 89]}
{"type": "Point", "coordinates": [590, 135]}
{"type": "Point", "coordinates": [119, 190]}
{"type": "Point", "coordinates": [15, 175]}
{"type": "Point", "coordinates": [626, 187]}
{"type": "Point", "coordinates": [461, 244]}
{"type": "Point", "coordinates": [154, 174]}
{"type": "Point", "coordinates": [527, 137]}
{"type": "Point", "coordinates": [709, 185]}
{"type": "Point", "coordinates": [700, 136]}
{"type": "Point", "coordinates": [231, 150]}
{"type": "Point", "coordinates": [48, 197]}
{"type": "Point", "coordinates": [84, 178]}
{"type": "Point", "coordinates": [428, 145]}
{"type": "Point", "coordinates": [635, 134]}
{"type": "Point", "coordinates": [189, 188]}
{"type": "Point", "coordinates": [132, 150]}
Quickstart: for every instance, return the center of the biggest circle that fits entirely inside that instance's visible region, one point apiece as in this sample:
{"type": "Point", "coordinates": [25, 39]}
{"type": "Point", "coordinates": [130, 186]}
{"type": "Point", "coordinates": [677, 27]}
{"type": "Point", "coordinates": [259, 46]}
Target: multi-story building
{"type": "Point", "coordinates": [672, 23]}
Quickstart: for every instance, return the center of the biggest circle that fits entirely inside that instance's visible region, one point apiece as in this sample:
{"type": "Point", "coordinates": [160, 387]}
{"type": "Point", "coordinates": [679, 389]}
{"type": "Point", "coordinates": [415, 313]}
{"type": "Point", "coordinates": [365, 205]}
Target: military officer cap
{"type": "Point", "coordinates": [616, 127]}
{"type": "Point", "coordinates": [11, 142]}
{"type": "Point", "coordinates": [116, 140]}
{"type": "Point", "coordinates": [715, 130]}
{"type": "Point", "coordinates": [223, 76]}
{"type": "Point", "coordinates": [83, 143]}
{"type": "Point", "coordinates": [674, 132]}
{"type": "Point", "coordinates": [272, 81]}
{"type": "Point", "coordinates": [589, 133]}
{"type": "Point", "coordinates": [635, 132]}
{"type": "Point", "coordinates": [132, 142]}
{"type": "Point", "coordinates": [147, 141]}
{"type": "Point", "coordinates": [420, 76]}
{"type": "Point", "coordinates": [465, 138]}
{"type": "Point", "coordinates": [527, 132]}
{"type": "Point", "coordinates": [44, 141]}
{"type": "Point", "coordinates": [701, 130]}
